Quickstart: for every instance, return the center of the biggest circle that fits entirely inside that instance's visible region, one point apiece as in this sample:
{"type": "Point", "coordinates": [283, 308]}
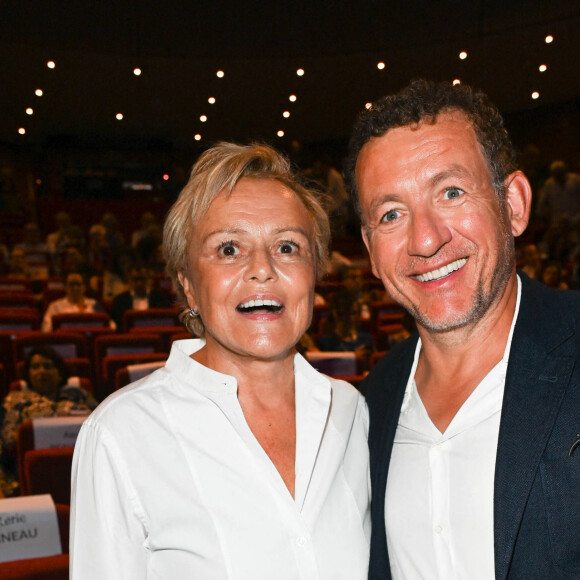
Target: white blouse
{"type": "Point", "coordinates": [170, 483]}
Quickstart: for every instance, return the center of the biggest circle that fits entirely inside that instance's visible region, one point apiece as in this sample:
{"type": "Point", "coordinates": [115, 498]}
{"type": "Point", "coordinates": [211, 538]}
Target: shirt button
{"type": "Point", "coordinates": [301, 541]}
{"type": "Point", "coordinates": [438, 529]}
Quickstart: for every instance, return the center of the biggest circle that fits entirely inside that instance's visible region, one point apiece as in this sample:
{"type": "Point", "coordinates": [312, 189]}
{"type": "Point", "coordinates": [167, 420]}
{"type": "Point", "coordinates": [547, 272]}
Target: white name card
{"type": "Point", "coordinates": [28, 528]}
{"type": "Point", "coordinates": [56, 431]}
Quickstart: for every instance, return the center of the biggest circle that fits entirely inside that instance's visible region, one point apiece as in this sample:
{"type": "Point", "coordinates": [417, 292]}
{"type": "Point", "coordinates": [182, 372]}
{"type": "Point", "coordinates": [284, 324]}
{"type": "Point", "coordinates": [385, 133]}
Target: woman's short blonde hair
{"type": "Point", "coordinates": [219, 169]}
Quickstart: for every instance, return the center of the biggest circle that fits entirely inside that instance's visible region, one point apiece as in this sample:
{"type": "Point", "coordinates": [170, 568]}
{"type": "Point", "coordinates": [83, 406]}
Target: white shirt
{"type": "Point", "coordinates": [169, 483]}
{"type": "Point", "coordinates": [439, 496]}
{"type": "Point", "coordinates": [63, 306]}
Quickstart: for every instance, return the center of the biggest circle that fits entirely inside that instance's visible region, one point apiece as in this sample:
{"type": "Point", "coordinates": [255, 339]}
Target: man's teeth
{"type": "Point", "coordinates": [442, 272]}
{"type": "Point", "coordinates": [261, 304]}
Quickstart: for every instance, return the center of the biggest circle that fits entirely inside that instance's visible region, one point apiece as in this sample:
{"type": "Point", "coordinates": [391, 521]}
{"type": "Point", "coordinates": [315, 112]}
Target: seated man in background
{"type": "Point", "coordinates": [75, 300]}
{"type": "Point", "coordinates": [140, 296]}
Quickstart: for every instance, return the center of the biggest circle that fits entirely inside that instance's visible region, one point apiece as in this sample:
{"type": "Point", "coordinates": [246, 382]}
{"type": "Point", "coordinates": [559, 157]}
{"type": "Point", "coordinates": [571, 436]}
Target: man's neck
{"type": "Point", "coordinates": [451, 365]}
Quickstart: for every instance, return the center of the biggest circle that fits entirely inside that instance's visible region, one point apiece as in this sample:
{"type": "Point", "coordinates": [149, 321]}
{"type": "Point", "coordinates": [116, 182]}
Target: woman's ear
{"type": "Point", "coordinates": [518, 198]}
{"type": "Point", "coordinates": [188, 290]}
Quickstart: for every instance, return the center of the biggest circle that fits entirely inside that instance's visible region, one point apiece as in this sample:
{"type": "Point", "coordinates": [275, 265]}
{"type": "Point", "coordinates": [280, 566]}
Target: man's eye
{"type": "Point", "coordinates": [453, 192]}
{"type": "Point", "coordinates": [390, 216]}
{"type": "Point", "coordinates": [228, 249]}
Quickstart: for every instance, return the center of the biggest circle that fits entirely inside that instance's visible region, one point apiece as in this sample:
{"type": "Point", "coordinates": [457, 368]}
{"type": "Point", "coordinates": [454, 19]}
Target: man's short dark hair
{"type": "Point", "coordinates": [421, 102]}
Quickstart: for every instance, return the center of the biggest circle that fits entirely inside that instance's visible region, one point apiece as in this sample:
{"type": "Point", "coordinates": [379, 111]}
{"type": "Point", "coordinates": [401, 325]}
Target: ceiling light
{"type": "Point", "coordinates": [300, 72]}
{"type": "Point", "coordinates": [211, 100]}
{"type": "Point", "coordinates": [203, 118]}
{"type": "Point", "coordinates": [456, 82]}
{"type": "Point", "coordinates": [535, 95]}
{"type": "Point", "coordinates": [137, 72]}
{"type": "Point", "coordinates": [280, 133]}
{"type": "Point", "coordinates": [462, 55]}
{"type": "Point", "coordinates": [380, 65]}
{"type": "Point", "coordinates": [38, 92]}
{"type": "Point", "coordinates": [286, 114]}
{"type": "Point", "coordinates": [197, 137]}
{"type": "Point", "coordinates": [119, 116]}
{"type": "Point", "coordinates": [549, 39]}
{"type": "Point", "coordinates": [368, 106]}
{"type": "Point", "coordinates": [292, 98]}
{"type": "Point", "coordinates": [29, 111]}
{"type": "Point", "coordinates": [50, 64]}
{"type": "Point", "coordinates": [220, 74]}
{"type": "Point", "coordinates": [543, 68]}
{"type": "Point", "coordinates": [22, 130]}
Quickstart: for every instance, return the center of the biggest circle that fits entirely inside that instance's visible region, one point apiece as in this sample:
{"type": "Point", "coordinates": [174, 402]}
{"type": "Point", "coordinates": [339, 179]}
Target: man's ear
{"type": "Point", "coordinates": [518, 198]}
{"type": "Point", "coordinates": [187, 289]}
{"type": "Point", "coordinates": [366, 239]}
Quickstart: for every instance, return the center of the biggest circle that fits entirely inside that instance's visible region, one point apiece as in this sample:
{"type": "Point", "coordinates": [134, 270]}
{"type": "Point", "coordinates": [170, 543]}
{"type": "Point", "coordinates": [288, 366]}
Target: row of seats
{"type": "Point", "coordinates": [92, 349]}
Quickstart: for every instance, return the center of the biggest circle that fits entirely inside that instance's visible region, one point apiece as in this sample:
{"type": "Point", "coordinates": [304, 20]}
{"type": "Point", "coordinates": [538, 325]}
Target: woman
{"type": "Point", "coordinates": [230, 462]}
{"type": "Point", "coordinates": [75, 301]}
{"type": "Point", "coordinates": [46, 391]}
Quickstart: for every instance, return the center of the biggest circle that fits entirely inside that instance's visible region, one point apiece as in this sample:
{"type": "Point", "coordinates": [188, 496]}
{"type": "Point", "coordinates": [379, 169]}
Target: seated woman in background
{"type": "Point", "coordinates": [75, 301]}
{"type": "Point", "coordinates": [342, 329]}
{"type": "Point", "coordinates": [46, 390]}
{"type": "Point", "coordinates": [237, 459]}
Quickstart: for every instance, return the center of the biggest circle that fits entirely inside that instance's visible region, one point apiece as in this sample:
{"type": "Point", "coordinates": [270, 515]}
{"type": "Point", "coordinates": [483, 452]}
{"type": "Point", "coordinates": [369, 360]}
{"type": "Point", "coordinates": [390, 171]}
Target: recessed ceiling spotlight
{"type": "Point", "coordinates": [535, 95]}
{"type": "Point", "coordinates": [280, 133]}
{"type": "Point", "coordinates": [543, 68]}
{"type": "Point", "coordinates": [300, 72]}
{"type": "Point", "coordinates": [50, 64]}
{"type": "Point", "coordinates": [220, 74]}
{"type": "Point", "coordinates": [292, 98]}
{"type": "Point", "coordinates": [286, 114]}
{"type": "Point", "coordinates": [462, 55]}
{"type": "Point", "coordinates": [197, 137]}
{"type": "Point", "coordinates": [119, 116]}
{"type": "Point", "coordinates": [137, 72]}
{"type": "Point", "coordinates": [368, 105]}
{"type": "Point", "coordinates": [203, 118]}
{"type": "Point", "coordinates": [380, 65]}
{"type": "Point", "coordinates": [549, 39]}
{"type": "Point", "coordinates": [22, 130]}
{"type": "Point", "coordinates": [456, 82]}
{"type": "Point", "coordinates": [29, 111]}
{"type": "Point", "coordinates": [38, 92]}
{"type": "Point", "coordinates": [211, 100]}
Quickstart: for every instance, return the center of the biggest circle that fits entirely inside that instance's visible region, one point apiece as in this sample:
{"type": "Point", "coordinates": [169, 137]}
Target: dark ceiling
{"type": "Point", "coordinates": [179, 45]}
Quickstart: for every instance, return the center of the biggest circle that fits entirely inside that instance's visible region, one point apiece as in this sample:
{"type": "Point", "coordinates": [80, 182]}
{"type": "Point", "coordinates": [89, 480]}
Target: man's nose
{"type": "Point", "coordinates": [428, 233]}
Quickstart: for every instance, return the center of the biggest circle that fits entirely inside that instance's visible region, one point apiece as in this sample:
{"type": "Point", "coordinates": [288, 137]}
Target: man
{"type": "Point", "coordinates": [475, 418]}
{"type": "Point", "coordinates": [139, 296]}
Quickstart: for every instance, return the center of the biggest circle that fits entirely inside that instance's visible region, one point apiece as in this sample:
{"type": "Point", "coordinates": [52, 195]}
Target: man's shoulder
{"type": "Point", "coordinates": [390, 369]}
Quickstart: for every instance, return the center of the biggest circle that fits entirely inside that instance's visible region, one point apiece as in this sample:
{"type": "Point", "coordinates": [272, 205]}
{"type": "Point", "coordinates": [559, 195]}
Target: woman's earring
{"type": "Point", "coordinates": [193, 313]}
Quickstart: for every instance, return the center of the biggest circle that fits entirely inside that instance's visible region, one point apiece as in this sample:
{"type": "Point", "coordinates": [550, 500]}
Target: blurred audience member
{"type": "Point", "coordinates": [114, 237]}
{"type": "Point", "coordinates": [57, 240]}
{"type": "Point", "coordinates": [140, 296]}
{"type": "Point", "coordinates": [116, 273]}
{"type": "Point", "coordinates": [98, 250]}
{"type": "Point", "coordinates": [552, 275]}
{"type": "Point", "coordinates": [147, 220]}
{"type": "Point", "coordinates": [46, 390]}
{"type": "Point", "coordinates": [531, 261]}
{"type": "Point", "coordinates": [75, 301]}
{"type": "Point", "coordinates": [342, 329]}
{"type": "Point", "coordinates": [18, 265]}
{"type": "Point", "coordinates": [561, 194]}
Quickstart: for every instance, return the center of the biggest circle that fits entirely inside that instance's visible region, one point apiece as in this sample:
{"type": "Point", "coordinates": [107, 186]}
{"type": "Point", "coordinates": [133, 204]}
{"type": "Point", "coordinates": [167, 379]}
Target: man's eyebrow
{"type": "Point", "coordinates": [450, 172]}
{"type": "Point", "coordinates": [377, 202]}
